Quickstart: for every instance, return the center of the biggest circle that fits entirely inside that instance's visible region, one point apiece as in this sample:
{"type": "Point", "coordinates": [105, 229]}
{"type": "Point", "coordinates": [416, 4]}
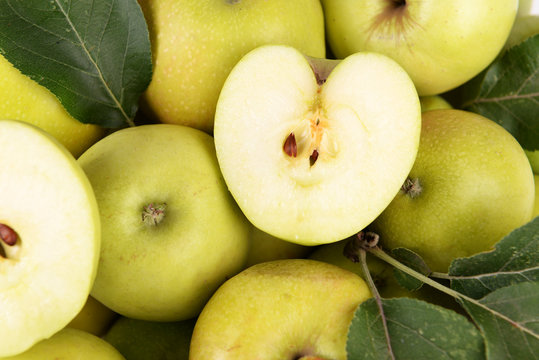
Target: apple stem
{"type": "Point", "coordinates": [377, 297]}
{"type": "Point", "coordinates": [152, 214]}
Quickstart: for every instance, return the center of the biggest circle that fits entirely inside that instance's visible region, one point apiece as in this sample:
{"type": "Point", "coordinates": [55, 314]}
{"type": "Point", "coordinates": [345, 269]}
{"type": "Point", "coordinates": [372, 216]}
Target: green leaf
{"type": "Point", "coordinates": [515, 259]}
{"type": "Point", "coordinates": [94, 55]}
{"type": "Point", "coordinates": [516, 336]}
{"type": "Point", "coordinates": [416, 328]}
{"type": "Point", "coordinates": [509, 92]}
{"type": "Point", "coordinates": [413, 261]}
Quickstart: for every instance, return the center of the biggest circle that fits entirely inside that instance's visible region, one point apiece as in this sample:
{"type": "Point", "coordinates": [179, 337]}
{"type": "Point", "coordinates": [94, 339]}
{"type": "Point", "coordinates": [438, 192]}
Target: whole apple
{"type": "Point", "coordinates": [171, 232]}
{"type": "Point", "coordinates": [284, 309]}
{"type": "Point", "coordinates": [441, 44]}
{"type": "Point", "coordinates": [21, 98]}
{"type": "Point", "coordinates": [471, 184]}
{"type": "Point", "coordinates": [70, 344]}
{"type": "Point", "coordinates": [195, 44]}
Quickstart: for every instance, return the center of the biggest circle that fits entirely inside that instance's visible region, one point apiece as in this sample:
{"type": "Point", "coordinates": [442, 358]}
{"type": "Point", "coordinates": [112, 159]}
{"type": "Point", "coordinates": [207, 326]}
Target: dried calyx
{"type": "Point", "coordinates": [153, 214]}
{"type": "Point", "coordinates": [412, 187]}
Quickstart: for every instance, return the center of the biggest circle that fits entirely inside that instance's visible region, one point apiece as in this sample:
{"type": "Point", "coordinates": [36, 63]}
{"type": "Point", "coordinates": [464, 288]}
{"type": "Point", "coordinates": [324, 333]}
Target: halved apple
{"type": "Point", "coordinates": [314, 149]}
{"type": "Point", "coordinates": [50, 236]}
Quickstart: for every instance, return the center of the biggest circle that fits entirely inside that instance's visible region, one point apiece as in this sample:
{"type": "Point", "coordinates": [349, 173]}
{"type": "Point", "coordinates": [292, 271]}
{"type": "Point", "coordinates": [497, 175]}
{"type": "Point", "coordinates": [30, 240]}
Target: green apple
{"type": "Point", "coordinates": [471, 185]}
{"type": "Point", "coordinates": [441, 44]}
{"type": "Point", "coordinates": [526, 23]}
{"type": "Point", "coordinates": [304, 143]}
{"type": "Point", "coordinates": [536, 202]}
{"type": "Point", "coordinates": [171, 232]}
{"type": "Point", "coordinates": [21, 98]}
{"type": "Point", "coordinates": [533, 157]}
{"type": "Point", "coordinates": [196, 43]}
{"type": "Point", "coordinates": [49, 236]}
{"type": "Point", "coordinates": [69, 344]}
{"type": "Point", "coordinates": [94, 318]}
{"type": "Point", "coordinates": [433, 102]}
{"type": "Point", "coordinates": [284, 309]}
{"type": "Point", "coordinates": [144, 340]}
{"type": "Point", "coordinates": [265, 247]}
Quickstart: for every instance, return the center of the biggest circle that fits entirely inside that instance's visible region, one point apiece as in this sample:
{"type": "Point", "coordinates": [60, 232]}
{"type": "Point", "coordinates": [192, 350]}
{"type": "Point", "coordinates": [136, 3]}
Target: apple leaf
{"type": "Point", "coordinates": [413, 261]}
{"type": "Point", "coordinates": [517, 335]}
{"type": "Point", "coordinates": [416, 328]}
{"type": "Point", "coordinates": [94, 55]}
{"type": "Point", "coordinates": [508, 92]}
{"type": "Point", "coordinates": [515, 259]}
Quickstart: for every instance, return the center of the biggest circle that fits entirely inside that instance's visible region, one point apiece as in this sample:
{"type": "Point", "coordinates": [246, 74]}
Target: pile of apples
{"type": "Point", "coordinates": [271, 132]}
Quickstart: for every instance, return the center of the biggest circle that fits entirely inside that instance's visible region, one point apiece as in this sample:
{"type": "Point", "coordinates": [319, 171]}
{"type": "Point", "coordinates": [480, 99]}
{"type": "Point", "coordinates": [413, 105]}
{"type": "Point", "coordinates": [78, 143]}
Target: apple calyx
{"type": "Point", "coordinates": [412, 187]}
{"type": "Point", "coordinates": [153, 214]}
{"type": "Point", "coordinates": [8, 237]}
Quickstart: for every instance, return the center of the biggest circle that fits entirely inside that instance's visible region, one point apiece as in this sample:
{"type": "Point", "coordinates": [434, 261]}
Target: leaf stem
{"type": "Point", "coordinates": [379, 253]}
{"type": "Point", "coordinates": [376, 295]}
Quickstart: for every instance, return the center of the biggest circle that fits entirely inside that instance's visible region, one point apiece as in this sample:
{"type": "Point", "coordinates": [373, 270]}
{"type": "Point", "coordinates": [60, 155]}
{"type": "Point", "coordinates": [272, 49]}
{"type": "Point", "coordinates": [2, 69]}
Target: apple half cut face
{"type": "Point", "coordinates": [314, 149]}
{"type": "Point", "coordinates": [50, 236]}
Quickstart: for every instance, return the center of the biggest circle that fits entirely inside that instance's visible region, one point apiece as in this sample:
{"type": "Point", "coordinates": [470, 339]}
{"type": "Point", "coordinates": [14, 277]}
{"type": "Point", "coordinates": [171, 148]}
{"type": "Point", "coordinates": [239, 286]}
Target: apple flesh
{"type": "Point", "coordinates": [303, 143]}
{"type": "Point", "coordinates": [168, 222]}
{"type": "Point", "coordinates": [470, 186]}
{"type": "Point", "coordinates": [441, 44]}
{"type": "Point", "coordinates": [195, 44]}
{"type": "Point", "coordinates": [283, 309]}
{"type": "Point", "coordinates": [50, 236]}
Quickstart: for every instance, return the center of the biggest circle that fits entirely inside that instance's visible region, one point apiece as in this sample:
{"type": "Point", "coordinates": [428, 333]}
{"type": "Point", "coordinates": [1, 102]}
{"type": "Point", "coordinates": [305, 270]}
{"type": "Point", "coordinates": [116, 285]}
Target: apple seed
{"type": "Point", "coordinates": [313, 157]}
{"type": "Point", "coordinates": [8, 235]}
{"type": "Point", "coordinates": [290, 147]}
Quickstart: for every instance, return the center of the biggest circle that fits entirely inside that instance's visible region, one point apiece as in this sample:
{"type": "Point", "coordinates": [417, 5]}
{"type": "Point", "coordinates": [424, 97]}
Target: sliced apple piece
{"type": "Point", "coordinates": [50, 230]}
{"type": "Point", "coordinates": [313, 149]}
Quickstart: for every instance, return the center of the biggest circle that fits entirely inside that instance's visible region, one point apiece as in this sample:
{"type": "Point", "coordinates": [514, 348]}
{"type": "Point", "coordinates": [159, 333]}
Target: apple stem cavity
{"type": "Point", "coordinates": [412, 187]}
{"type": "Point", "coordinates": [153, 214]}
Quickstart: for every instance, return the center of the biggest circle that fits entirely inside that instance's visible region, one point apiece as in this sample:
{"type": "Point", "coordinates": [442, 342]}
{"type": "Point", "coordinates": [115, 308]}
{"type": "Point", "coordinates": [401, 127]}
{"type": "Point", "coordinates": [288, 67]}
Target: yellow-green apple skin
{"type": "Point", "coordinates": [471, 184]}
{"type": "Point", "coordinates": [265, 247]}
{"type": "Point", "coordinates": [536, 204]}
{"type": "Point", "coordinates": [533, 157]}
{"type": "Point", "coordinates": [283, 309]}
{"type": "Point", "coordinates": [70, 344]}
{"type": "Point", "coordinates": [171, 232]}
{"type": "Point", "coordinates": [304, 143]}
{"type": "Point", "coordinates": [526, 23]}
{"type": "Point", "coordinates": [441, 44]}
{"type": "Point", "coordinates": [146, 340]}
{"type": "Point", "coordinates": [50, 211]}
{"type": "Point", "coordinates": [94, 318]}
{"type": "Point", "coordinates": [433, 102]}
{"type": "Point", "coordinates": [195, 44]}
{"type": "Point", "coordinates": [21, 98]}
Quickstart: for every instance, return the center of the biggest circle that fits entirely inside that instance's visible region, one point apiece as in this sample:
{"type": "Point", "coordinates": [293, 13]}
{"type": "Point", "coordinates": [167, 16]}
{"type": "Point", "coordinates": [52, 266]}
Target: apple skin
{"type": "Point", "coordinates": [526, 23]}
{"type": "Point", "coordinates": [94, 318]}
{"type": "Point", "coordinates": [142, 340]}
{"type": "Point", "coordinates": [282, 309]}
{"type": "Point", "coordinates": [476, 186]}
{"type": "Point", "coordinates": [533, 157]}
{"type": "Point", "coordinates": [195, 44]}
{"type": "Point", "coordinates": [441, 44]}
{"type": "Point", "coordinates": [265, 247]}
{"type": "Point", "coordinates": [433, 102]}
{"type": "Point", "coordinates": [536, 204]}
{"type": "Point", "coordinates": [201, 240]}
{"type": "Point", "coordinates": [23, 99]}
{"type": "Point", "coordinates": [70, 344]}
